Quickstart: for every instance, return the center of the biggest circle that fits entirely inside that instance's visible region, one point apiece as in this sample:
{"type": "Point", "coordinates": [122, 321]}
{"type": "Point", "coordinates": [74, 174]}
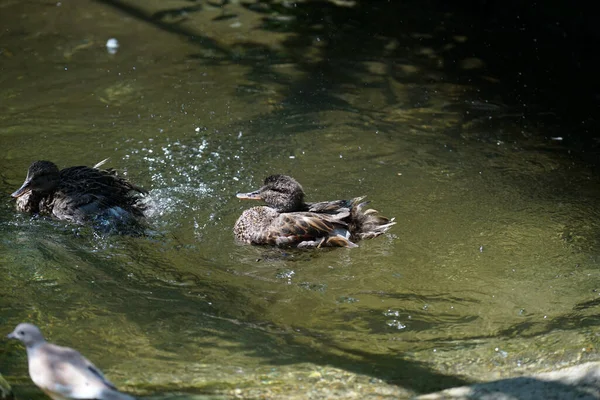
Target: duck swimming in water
{"type": "Point", "coordinates": [78, 194]}
{"type": "Point", "coordinates": [288, 221]}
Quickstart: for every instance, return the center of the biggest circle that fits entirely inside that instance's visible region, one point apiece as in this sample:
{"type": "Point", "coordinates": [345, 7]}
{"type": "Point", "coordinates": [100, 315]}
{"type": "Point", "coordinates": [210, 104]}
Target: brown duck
{"type": "Point", "coordinates": [78, 194]}
{"type": "Point", "coordinates": [288, 221]}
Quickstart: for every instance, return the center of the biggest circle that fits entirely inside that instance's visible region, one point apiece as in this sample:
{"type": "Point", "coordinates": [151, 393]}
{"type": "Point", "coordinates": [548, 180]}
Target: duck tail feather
{"type": "Point", "coordinates": [101, 163]}
{"type": "Point", "coordinates": [337, 241]}
{"type": "Point", "coordinates": [367, 224]}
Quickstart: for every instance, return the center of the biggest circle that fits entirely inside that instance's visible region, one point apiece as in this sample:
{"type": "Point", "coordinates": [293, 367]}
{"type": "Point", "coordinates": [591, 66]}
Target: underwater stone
{"type": "Point", "coordinates": [5, 390]}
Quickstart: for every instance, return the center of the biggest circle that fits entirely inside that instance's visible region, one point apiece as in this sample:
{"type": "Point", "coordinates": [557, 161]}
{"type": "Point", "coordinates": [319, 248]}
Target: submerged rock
{"type": "Point", "coordinates": [580, 382]}
{"type": "Point", "coordinates": [5, 390]}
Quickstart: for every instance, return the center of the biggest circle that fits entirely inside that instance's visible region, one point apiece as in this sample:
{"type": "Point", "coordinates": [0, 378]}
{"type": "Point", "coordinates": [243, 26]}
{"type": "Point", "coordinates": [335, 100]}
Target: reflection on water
{"type": "Point", "coordinates": [491, 266]}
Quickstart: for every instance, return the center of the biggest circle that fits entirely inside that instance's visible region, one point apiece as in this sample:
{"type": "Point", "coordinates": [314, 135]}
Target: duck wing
{"type": "Point", "coordinates": [93, 180]}
{"type": "Point", "coordinates": [329, 207]}
{"type": "Point", "coordinates": [84, 191]}
{"type": "Point", "coordinates": [367, 223]}
{"type": "Point", "coordinates": [309, 229]}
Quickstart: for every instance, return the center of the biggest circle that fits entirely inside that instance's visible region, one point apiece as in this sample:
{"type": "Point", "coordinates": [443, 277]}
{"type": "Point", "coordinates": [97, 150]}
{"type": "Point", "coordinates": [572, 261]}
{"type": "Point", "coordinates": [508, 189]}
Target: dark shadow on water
{"type": "Point", "coordinates": [173, 27]}
{"type": "Point", "coordinates": [524, 62]}
{"type": "Point", "coordinates": [585, 316]}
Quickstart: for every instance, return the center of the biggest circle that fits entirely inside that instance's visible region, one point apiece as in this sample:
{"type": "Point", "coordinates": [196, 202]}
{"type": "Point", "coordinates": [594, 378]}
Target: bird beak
{"type": "Point", "coordinates": [249, 196]}
{"type": "Point", "coordinates": [11, 336]}
{"type": "Point", "coordinates": [23, 189]}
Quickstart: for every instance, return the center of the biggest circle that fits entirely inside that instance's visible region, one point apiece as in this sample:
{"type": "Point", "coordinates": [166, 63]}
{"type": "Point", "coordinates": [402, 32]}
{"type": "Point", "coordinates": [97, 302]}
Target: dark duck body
{"type": "Point", "coordinates": [288, 221]}
{"type": "Point", "coordinates": [78, 194]}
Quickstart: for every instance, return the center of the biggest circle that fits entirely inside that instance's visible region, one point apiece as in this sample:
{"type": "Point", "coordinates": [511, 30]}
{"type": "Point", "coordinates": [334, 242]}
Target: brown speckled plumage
{"type": "Point", "coordinates": [288, 221]}
{"type": "Point", "coordinates": [77, 193]}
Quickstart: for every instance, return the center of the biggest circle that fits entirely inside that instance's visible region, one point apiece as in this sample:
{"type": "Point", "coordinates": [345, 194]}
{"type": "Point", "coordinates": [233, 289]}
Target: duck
{"type": "Point", "coordinates": [79, 194]}
{"type": "Point", "coordinates": [288, 221]}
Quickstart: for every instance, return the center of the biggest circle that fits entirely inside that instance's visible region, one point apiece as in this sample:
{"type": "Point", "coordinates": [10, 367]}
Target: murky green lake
{"type": "Point", "coordinates": [492, 270]}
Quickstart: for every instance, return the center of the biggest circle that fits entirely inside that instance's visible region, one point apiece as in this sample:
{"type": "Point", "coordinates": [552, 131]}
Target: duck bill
{"type": "Point", "coordinates": [23, 189]}
{"type": "Point", "coordinates": [11, 336]}
{"type": "Point", "coordinates": [249, 196]}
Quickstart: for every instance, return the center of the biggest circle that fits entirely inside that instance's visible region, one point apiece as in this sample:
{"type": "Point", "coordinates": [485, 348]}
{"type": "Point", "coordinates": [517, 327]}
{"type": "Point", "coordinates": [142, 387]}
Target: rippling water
{"type": "Point", "coordinates": [491, 270]}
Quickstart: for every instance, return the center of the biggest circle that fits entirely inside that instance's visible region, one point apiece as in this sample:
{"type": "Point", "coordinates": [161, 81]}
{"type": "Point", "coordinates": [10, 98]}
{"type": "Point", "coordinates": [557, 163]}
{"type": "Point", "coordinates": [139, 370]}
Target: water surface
{"type": "Point", "coordinates": [491, 270]}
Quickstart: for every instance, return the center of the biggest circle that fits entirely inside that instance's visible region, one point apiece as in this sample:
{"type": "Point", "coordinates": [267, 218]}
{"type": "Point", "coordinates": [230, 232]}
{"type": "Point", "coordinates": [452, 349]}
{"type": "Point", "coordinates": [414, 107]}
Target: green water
{"type": "Point", "coordinates": [491, 271]}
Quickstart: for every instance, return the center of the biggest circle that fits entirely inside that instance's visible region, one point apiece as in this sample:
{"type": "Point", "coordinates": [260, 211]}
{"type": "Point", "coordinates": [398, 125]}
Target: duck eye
{"type": "Point", "coordinates": [22, 333]}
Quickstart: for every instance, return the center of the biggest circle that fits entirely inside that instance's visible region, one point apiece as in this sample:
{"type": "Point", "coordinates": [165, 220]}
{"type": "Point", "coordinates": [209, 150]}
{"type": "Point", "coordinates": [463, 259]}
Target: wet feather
{"type": "Point", "coordinates": [288, 221]}
{"type": "Point", "coordinates": [78, 194]}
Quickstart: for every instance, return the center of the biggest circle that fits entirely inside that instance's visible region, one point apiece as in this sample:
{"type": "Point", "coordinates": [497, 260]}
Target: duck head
{"type": "Point", "coordinates": [280, 192]}
{"type": "Point", "coordinates": [42, 176]}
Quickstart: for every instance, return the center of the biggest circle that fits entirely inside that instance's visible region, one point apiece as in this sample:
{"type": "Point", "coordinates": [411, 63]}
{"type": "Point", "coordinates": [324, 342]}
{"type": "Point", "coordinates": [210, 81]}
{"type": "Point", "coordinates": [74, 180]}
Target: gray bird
{"type": "Point", "coordinates": [61, 372]}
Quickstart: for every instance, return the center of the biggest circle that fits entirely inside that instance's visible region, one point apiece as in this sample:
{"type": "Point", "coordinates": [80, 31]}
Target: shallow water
{"type": "Point", "coordinates": [491, 271]}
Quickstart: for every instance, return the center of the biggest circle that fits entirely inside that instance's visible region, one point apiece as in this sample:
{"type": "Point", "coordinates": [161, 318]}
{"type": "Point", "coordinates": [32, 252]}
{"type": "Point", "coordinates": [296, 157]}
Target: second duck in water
{"type": "Point", "coordinates": [79, 194]}
{"type": "Point", "coordinates": [288, 221]}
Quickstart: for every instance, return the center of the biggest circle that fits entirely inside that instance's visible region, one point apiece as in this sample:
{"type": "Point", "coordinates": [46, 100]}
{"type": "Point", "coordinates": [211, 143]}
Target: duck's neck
{"type": "Point", "coordinates": [291, 207]}
{"type": "Point", "coordinates": [32, 347]}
